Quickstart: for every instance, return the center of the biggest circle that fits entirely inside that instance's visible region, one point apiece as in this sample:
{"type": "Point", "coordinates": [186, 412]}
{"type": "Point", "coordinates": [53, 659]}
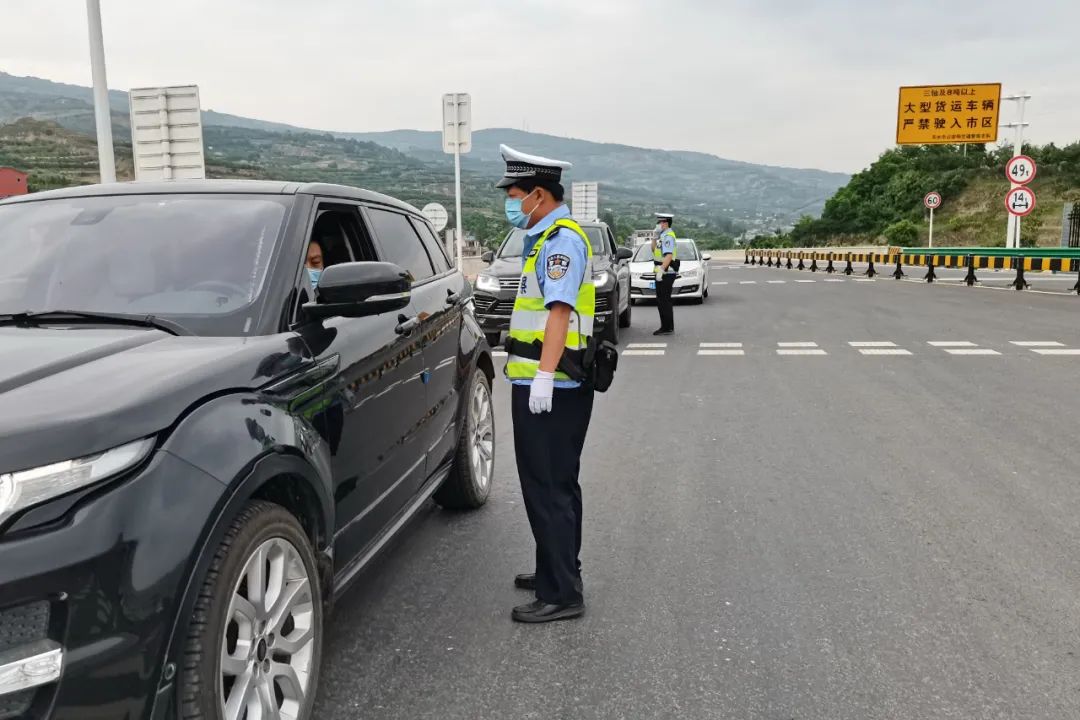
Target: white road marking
{"type": "Point", "coordinates": [643, 352]}
{"type": "Point", "coordinates": [873, 344]}
{"type": "Point", "coordinates": [951, 343]}
{"type": "Point", "coordinates": [718, 283]}
{"type": "Point", "coordinates": [806, 281]}
{"type": "Point", "coordinates": [797, 344]}
{"type": "Point", "coordinates": [748, 282]}
{"type": "Point", "coordinates": [777, 282]}
{"type": "Point", "coordinates": [791, 351]}
{"type": "Point", "coordinates": [1035, 343]}
{"type": "Point", "coordinates": [884, 351]}
{"type": "Point", "coordinates": [865, 279]}
{"type": "Point", "coordinates": [721, 352]}
{"type": "Point", "coordinates": [835, 280]}
{"type": "Point", "coordinates": [721, 345]}
{"type": "Point", "coordinates": [639, 346]}
{"type": "Point", "coordinates": [1056, 351]}
{"type": "Point", "coordinates": [971, 351]}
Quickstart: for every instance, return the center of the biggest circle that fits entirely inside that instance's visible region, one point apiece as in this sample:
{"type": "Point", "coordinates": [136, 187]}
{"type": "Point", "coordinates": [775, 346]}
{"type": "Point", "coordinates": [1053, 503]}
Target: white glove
{"type": "Point", "coordinates": [543, 386]}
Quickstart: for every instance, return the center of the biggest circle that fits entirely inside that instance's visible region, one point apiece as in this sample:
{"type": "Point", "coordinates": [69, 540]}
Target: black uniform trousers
{"type": "Point", "coordinates": [548, 448]}
{"type": "Point", "coordinates": [664, 287]}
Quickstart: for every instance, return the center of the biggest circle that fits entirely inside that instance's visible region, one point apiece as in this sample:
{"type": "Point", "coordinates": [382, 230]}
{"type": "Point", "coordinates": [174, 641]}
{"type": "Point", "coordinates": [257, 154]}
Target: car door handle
{"type": "Point", "coordinates": [407, 325]}
{"type": "Point", "coordinates": [452, 298]}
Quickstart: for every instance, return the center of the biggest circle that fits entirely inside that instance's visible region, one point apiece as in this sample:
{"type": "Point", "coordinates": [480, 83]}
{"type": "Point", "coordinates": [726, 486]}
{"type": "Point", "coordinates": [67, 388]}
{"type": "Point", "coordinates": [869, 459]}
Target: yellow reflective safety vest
{"type": "Point", "coordinates": [530, 317]}
{"type": "Point", "coordinates": [658, 256]}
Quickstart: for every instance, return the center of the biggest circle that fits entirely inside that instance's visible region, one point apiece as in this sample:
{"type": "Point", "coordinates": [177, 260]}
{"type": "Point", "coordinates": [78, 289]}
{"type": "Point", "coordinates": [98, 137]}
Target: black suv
{"type": "Point", "coordinates": [199, 450]}
{"type": "Point", "coordinates": [497, 286]}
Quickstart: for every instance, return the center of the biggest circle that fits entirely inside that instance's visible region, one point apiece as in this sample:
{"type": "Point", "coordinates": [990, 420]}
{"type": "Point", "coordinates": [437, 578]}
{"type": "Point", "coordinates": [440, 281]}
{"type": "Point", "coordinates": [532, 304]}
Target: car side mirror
{"type": "Point", "coordinates": [488, 257]}
{"type": "Point", "coordinates": [624, 253]}
{"type": "Point", "coordinates": [360, 289]}
{"type": "Point", "coordinates": [706, 257]}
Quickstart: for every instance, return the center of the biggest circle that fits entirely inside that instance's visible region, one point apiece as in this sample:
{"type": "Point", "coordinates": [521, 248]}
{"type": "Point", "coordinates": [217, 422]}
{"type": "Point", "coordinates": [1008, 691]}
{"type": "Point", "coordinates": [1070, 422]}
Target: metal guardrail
{"type": "Point", "coordinates": [1021, 263]}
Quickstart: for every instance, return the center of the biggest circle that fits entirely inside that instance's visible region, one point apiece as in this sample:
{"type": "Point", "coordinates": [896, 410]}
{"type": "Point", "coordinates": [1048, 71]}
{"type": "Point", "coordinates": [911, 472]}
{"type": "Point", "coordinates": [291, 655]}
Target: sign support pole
{"type": "Point", "coordinates": [1012, 236]}
{"type": "Point", "coordinates": [102, 113]}
{"type": "Point", "coordinates": [931, 243]}
{"type": "Point", "coordinates": [457, 180]}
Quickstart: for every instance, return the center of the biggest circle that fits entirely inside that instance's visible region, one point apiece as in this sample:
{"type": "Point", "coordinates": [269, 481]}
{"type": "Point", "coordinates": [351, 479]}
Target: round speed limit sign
{"type": "Point", "coordinates": [932, 200]}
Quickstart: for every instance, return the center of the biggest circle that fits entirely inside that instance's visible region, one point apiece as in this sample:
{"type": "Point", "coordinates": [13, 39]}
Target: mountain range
{"type": "Point", "coordinates": [722, 194]}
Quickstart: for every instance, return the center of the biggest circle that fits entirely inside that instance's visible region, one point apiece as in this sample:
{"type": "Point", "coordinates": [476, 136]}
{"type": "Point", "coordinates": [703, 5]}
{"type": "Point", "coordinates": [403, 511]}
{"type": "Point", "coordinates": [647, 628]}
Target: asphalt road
{"type": "Point", "coordinates": [807, 535]}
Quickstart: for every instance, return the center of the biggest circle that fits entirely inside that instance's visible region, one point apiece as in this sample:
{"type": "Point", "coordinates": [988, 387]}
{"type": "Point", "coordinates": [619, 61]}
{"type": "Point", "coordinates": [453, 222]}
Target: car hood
{"type": "Point", "coordinates": [70, 392]}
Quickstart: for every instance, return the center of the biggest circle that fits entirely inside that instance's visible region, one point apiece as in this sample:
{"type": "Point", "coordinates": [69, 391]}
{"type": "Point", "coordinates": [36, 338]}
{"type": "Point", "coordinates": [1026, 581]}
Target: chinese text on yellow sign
{"type": "Point", "coordinates": [932, 114]}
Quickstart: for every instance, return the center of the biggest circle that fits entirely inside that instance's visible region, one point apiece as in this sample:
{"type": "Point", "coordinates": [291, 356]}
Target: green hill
{"type": "Point", "coordinates": [883, 203]}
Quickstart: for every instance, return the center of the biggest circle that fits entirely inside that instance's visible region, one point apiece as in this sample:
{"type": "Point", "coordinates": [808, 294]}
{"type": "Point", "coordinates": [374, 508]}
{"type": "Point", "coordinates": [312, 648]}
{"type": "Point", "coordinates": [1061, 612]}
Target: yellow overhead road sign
{"type": "Point", "coordinates": [936, 114]}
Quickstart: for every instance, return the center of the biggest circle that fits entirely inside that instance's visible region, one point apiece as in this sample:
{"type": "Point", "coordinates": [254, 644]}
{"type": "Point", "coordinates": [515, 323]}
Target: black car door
{"type": "Point", "coordinates": [436, 294]}
{"type": "Point", "coordinates": [374, 401]}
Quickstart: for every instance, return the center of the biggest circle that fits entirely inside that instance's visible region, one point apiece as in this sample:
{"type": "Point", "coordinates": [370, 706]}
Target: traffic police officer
{"type": "Point", "coordinates": [551, 399]}
{"type": "Point", "coordinates": [664, 255]}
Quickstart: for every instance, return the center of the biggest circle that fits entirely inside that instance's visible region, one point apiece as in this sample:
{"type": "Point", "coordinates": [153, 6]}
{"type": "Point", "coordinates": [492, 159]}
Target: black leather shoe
{"type": "Point", "coordinates": [541, 612]}
{"type": "Point", "coordinates": [525, 581]}
{"type": "Point", "coordinates": [662, 331]}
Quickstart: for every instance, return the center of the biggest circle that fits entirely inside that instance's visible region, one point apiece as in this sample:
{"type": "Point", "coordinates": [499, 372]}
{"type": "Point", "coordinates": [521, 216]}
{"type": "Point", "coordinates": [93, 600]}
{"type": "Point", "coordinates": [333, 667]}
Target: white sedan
{"type": "Point", "coordinates": [691, 282]}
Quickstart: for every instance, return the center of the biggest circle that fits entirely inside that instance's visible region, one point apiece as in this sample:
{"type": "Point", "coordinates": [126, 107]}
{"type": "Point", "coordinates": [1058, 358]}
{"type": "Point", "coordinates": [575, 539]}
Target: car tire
{"type": "Point", "coordinates": [493, 339]}
{"type": "Point", "coordinates": [469, 483]}
{"type": "Point", "coordinates": [277, 655]}
{"type": "Point", "coordinates": [611, 330]}
{"type": "Point", "coordinates": [705, 293]}
{"type": "Point", "coordinates": [625, 315]}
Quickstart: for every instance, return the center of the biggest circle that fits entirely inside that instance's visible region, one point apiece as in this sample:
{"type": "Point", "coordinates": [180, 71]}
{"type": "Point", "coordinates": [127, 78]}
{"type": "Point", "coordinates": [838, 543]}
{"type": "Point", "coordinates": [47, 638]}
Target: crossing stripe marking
{"type": "Point", "coordinates": [644, 352]}
{"type": "Point", "coordinates": [797, 344]}
{"type": "Point", "coordinates": [793, 351]}
{"type": "Point", "coordinates": [1056, 351]}
{"type": "Point", "coordinates": [1035, 344]}
{"type": "Point", "coordinates": [951, 343]}
{"type": "Point", "coordinates": [971, 351]}
{"type": "Point", "coordinates": [721, 352]}
{"type": "Point", "coordinates": [721, 345]}
{"type": "Point", "coordinates": [884, 351]}
{"type": "Point", "coordinates": [873, 344]}
{"type": "Point", "coordinates": [640, 346]}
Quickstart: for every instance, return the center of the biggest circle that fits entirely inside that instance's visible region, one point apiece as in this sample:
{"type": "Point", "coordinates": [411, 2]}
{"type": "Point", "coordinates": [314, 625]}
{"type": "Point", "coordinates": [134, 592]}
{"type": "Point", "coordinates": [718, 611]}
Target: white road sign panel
{"type": "Point", "coordinates": [457, 123]}
{"type": "Point", "coordinates": [437, 214]}
{"type": "Point", "coordinates": [166, 133]}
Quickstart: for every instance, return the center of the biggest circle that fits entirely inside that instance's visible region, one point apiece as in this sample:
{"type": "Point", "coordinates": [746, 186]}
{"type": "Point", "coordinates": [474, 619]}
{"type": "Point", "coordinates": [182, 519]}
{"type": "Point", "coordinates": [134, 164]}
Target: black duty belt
{"type": "Point", "coordinates": [573, 363]}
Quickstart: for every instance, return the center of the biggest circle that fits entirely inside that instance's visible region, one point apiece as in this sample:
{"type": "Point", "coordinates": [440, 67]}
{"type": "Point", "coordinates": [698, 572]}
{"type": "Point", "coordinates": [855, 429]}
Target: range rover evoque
{"type": "Point", "coordinates": [199, 450]}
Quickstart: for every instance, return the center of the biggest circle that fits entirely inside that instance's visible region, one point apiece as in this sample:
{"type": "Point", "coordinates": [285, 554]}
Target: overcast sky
{"type": "Point", "coordinates": [804, 83]}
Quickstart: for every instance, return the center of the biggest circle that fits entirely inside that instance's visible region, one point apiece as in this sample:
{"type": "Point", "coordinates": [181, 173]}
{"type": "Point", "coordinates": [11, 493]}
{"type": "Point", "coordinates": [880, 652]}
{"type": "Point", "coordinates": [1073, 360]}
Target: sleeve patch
{"type": "Point", "coordinates": [557, 266]}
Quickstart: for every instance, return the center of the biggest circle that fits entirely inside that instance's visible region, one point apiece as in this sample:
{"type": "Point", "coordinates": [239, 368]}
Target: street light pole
{"type": "Point", "coordinates": [102, 112]}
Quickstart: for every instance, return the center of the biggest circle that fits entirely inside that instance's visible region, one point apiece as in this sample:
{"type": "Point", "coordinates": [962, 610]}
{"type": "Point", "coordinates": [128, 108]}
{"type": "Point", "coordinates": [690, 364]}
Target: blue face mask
{"type": "Point", "coordinates": [515, 215]}
{"type": "Point", "coordinates": [314, 275]}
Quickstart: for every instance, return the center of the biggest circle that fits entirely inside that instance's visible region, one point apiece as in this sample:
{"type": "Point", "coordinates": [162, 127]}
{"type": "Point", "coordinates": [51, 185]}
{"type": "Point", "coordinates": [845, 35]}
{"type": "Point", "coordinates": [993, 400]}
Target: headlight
{"type": "Point", "coordinates": [603, 279]}
{"type": "Point", "coordinates": [486, 282]}
{"type": "Point", "coordinates": [689, 273]}
{"type": "Point", "coordinates": [26, 488]}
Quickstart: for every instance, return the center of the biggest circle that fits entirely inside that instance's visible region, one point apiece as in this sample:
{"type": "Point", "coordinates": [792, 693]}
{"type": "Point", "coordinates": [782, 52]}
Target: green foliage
{"type": "Point", "coordinates": [902, 234]}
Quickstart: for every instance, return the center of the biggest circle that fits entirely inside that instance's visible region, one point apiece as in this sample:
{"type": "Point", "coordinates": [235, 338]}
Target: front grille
{"type": "Point", "coordinates": [603, 303]}
{"type": "Point", "coordinates": [21, 626]}
{"type": "Point", "coordinates": [489, 305]}
{"type": "Point", "coordinates": [509, 283]}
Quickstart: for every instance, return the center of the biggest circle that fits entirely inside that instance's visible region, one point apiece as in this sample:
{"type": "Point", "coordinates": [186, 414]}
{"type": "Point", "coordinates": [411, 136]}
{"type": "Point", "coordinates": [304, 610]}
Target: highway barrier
{"type": "Point", "coordinates": [1021, 261]}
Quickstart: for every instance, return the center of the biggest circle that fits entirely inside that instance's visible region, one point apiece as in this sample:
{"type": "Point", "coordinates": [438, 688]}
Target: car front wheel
{"type": "Point", "coordinates": [470, 478]}
{"type": "Point", "coordinates": [255, 640]}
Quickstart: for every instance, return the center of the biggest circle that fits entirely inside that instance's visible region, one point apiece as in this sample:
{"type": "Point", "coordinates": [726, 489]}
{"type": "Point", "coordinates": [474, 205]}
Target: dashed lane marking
{"type": "Point", "coordinates": [1056, 351]}
{"type": "Point", "coordinates": [873, 344]}
{"type": "Point", "coordinates": [796, 344]}
{"type": "Point", "coordinates": [644, 352]}
{"type": "Point", "coordinates": [748, 282]}
{"type": "Point", "coordinates": [806, 281]}
{"type": "Point", "coordinates": [800, 351]}
{"type": "Point", "coordinates": [951, 344]}
{"type": "Point", "coordinates": [720, 345]}
{"type": "Point", "coordinates": [884, 351]}
{"type": "Point", "coordinates": [777, 282]}
{"type": "Point", "coordinates": [731, 352]}
{"type": "Point", "coordinates": [1036, 344]}
{"type": "Point", "coordinates": [640, 346]}
{"type": "Point", "coordinates": [971, 351]}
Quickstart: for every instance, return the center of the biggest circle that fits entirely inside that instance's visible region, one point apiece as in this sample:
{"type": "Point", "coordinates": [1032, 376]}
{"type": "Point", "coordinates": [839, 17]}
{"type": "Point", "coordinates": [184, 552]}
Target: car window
{"type": "Point", "coordinates": [434, 247]}
{"type": "Point", "coordinates": [201, 259]}
{"type": "Point", "coordinates": [611, 242]}
{"type": "Point", "coordinates": [398, 243]}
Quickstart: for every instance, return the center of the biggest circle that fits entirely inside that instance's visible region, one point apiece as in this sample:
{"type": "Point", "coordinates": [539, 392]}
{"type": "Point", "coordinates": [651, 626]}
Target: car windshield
{"type": "Point", "coordinates": [200, 259]}
{"type": "Point", "coordinates": [514, 242]}
{"type": "Point", "coordinates": [684, 250]}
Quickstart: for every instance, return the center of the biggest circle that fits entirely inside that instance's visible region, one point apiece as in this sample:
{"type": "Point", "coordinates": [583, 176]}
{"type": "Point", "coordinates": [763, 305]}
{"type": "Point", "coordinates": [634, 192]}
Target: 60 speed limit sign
{"type": "Point", "coordinates": [932, 200]}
